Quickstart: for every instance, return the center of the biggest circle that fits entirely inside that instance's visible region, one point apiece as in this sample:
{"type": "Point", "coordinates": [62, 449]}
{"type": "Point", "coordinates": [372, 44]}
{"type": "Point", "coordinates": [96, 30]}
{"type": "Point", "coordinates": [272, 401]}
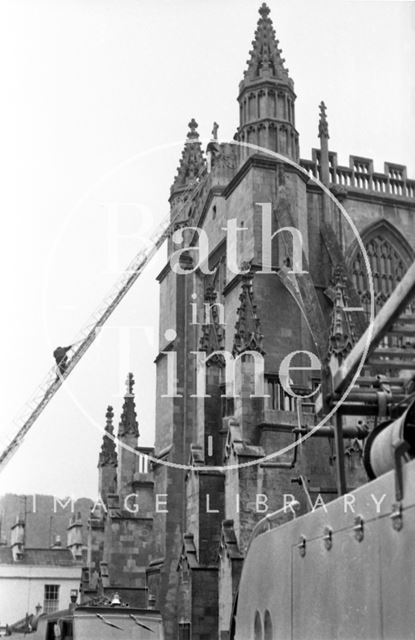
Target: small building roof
{"type": "Point", "coordinates": [39, 557]}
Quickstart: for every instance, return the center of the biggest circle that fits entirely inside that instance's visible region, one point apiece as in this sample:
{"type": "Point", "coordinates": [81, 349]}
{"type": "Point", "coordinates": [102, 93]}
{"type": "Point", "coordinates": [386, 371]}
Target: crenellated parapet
{"type": "Point", "coordinates": [360, 175]}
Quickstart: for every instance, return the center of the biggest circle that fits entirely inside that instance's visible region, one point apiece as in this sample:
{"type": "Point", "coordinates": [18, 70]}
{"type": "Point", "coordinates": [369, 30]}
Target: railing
{"type": "Point", "coordinates": [360, 175]}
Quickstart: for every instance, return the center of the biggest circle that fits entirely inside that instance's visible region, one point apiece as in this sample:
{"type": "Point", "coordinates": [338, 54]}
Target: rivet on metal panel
{"type": "Point", "coordinates": [396, 516]}
{"type": "Point", "coordinates": [328, 538]}
{"type": "Point", "coordinates": [301, 546]}
{"type": "Point", "coordinates": [358, 528]}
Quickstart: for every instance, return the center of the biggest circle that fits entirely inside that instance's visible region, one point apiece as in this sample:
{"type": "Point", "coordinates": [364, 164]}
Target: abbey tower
{"type": "Point", "coordinates": [261, 263]}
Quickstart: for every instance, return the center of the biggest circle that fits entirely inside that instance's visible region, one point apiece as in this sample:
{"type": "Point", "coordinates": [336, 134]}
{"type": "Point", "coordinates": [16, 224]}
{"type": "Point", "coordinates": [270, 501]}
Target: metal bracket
{"type": "Point", "coordinates": [384, 396]}
{"type": "Point", "coordinates": [302, 481]}
{"type": "Point", "coordinates": [328, 538]}
{"type": "Point", "coordinates": [359, 528]}
{"type": "Point", "coordinates": [382, 404]}
{"type": "Point", "coordinates": [302, 546]}
{"type": "Point", "coordinates": [401, 448]}
{"type": "Point", "coordinates": [396, 516]}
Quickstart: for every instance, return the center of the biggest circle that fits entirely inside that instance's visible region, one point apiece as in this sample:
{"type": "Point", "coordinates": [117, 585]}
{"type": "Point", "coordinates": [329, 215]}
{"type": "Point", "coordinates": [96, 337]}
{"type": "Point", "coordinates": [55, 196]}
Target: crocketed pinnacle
{"type": "Point", "coordinates": [192, 162]}
{"type": "Point", "coordinates": [265, 57]}
{"type": "Point", "coordinates": [342, 335]}
{"type": "Point", "coordinates": [323, 126]}
{"type": "Point", "coordinates": [248, 336]}
{"type": "Point", "coordinates": [128, 423]}
{"type": "Point", "coordinates": [108, 453]}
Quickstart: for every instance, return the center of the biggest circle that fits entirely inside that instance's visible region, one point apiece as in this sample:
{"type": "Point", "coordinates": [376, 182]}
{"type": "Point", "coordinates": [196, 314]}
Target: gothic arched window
{"type": "Point", "coordinates": [389, 256]}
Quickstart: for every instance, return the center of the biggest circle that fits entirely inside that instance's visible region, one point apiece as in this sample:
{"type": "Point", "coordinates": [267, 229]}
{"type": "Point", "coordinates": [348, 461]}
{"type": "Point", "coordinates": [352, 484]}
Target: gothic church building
{"type": "Point", "coordinates": [223, 449]}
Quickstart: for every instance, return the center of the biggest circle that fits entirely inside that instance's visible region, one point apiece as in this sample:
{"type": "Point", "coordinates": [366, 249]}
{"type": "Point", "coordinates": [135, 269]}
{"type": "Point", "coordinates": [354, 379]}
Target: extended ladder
{"type": "Point", "coordinates": [53, 381]}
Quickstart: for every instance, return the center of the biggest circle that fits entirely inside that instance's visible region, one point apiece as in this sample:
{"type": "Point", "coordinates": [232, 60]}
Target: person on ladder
{"type": "Point", "coordinates": [61, 358]}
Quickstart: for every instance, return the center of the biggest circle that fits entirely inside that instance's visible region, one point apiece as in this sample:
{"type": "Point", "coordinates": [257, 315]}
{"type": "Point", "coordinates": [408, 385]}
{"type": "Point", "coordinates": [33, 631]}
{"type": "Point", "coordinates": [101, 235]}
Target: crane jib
{"type": "Point", "coordinates": [53, 381]}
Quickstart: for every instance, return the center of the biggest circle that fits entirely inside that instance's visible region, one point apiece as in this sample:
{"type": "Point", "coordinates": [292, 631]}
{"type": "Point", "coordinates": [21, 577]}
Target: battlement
{"type": "Point", "coordinates": [360, 175]}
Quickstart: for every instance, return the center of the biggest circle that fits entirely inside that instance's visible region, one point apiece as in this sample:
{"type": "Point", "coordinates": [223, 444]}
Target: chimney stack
{"type": "Point", "coordinates": [58, 543]}
{"type": "Point", "coordinates": [18, 539]}
{"type": "Point", "coordinates": [75, 536]}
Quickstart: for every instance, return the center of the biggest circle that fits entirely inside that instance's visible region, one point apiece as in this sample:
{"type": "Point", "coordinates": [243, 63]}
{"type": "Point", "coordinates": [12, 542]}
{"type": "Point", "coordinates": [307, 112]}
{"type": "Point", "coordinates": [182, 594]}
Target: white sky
{"type": "Point", "coordinates": [90, 84]}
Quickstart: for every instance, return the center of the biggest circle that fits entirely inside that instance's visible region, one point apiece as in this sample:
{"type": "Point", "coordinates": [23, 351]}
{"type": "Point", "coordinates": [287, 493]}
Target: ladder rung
{"type": "Point", "coordinates": [401, 330]}
{"type": "Point", "coordinates": [394, 352]}
{"type": "Point", "coordinates": [404, 320]}
{"type": "Point", "coordinates": [371, 380]}
{"type": "Point", "coordinates": [391, 364]}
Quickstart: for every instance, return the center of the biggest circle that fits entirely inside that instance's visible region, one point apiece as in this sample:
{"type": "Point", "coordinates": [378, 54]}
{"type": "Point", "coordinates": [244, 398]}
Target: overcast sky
{"type": "Point", "coordinates": [96, 97]}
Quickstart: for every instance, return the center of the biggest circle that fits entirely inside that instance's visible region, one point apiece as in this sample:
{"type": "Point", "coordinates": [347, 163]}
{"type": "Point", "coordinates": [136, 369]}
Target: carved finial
{"type": "Point", "coordinates": [264, 10]}
{"type": "Point", "coordinates": [128, 423]}
{"type": "Point", "coordinates": [130, 384]}
{"type": "Point", "coordinates": [192, 133]}
{"type": "Point", "coordinates": [215, 131]}
{"type": "Point", "coordinates": [109, 416]}
{"type": "Point", "coordinates": [323, 127]}
{"type": "Point", "coordinates": [108, 454]}
{"type": "Point", "coordinates": [342, 335]}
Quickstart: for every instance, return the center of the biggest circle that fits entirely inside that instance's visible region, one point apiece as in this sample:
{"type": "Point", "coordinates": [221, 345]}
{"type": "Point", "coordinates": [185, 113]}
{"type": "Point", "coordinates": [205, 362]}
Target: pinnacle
{"type": "Point", "coordinates": [192, 162]}
{"type": "Point", "coordinates": [109, 416]}
{"type": "Point", "coordinates": [323, 126]}
{"type": "Point", "coordinates": [128, 422]}
{"type": "Point", "coordinates": [108, 455]}
{"type": "Point", "coordinates": [265, 57]}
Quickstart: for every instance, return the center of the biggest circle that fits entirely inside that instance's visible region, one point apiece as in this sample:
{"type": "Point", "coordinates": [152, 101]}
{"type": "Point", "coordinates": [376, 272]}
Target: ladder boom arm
{"type": "Point", "coordinates": [53, 381]}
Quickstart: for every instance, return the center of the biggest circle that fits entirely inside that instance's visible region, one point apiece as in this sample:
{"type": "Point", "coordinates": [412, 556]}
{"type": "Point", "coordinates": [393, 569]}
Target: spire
{"type": "Point", "coordinates": [266, 96]}
{"type": "Point", "coordinates": [265, 57]}
{"type": "Point", "coordinates": [128, 423]}
{"type": "Point", "coordinates": [323, 125]}
{"type": "Point", "coordinates": [192, 161]}
{"type": "Point", "coordinates": [108, 454]}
